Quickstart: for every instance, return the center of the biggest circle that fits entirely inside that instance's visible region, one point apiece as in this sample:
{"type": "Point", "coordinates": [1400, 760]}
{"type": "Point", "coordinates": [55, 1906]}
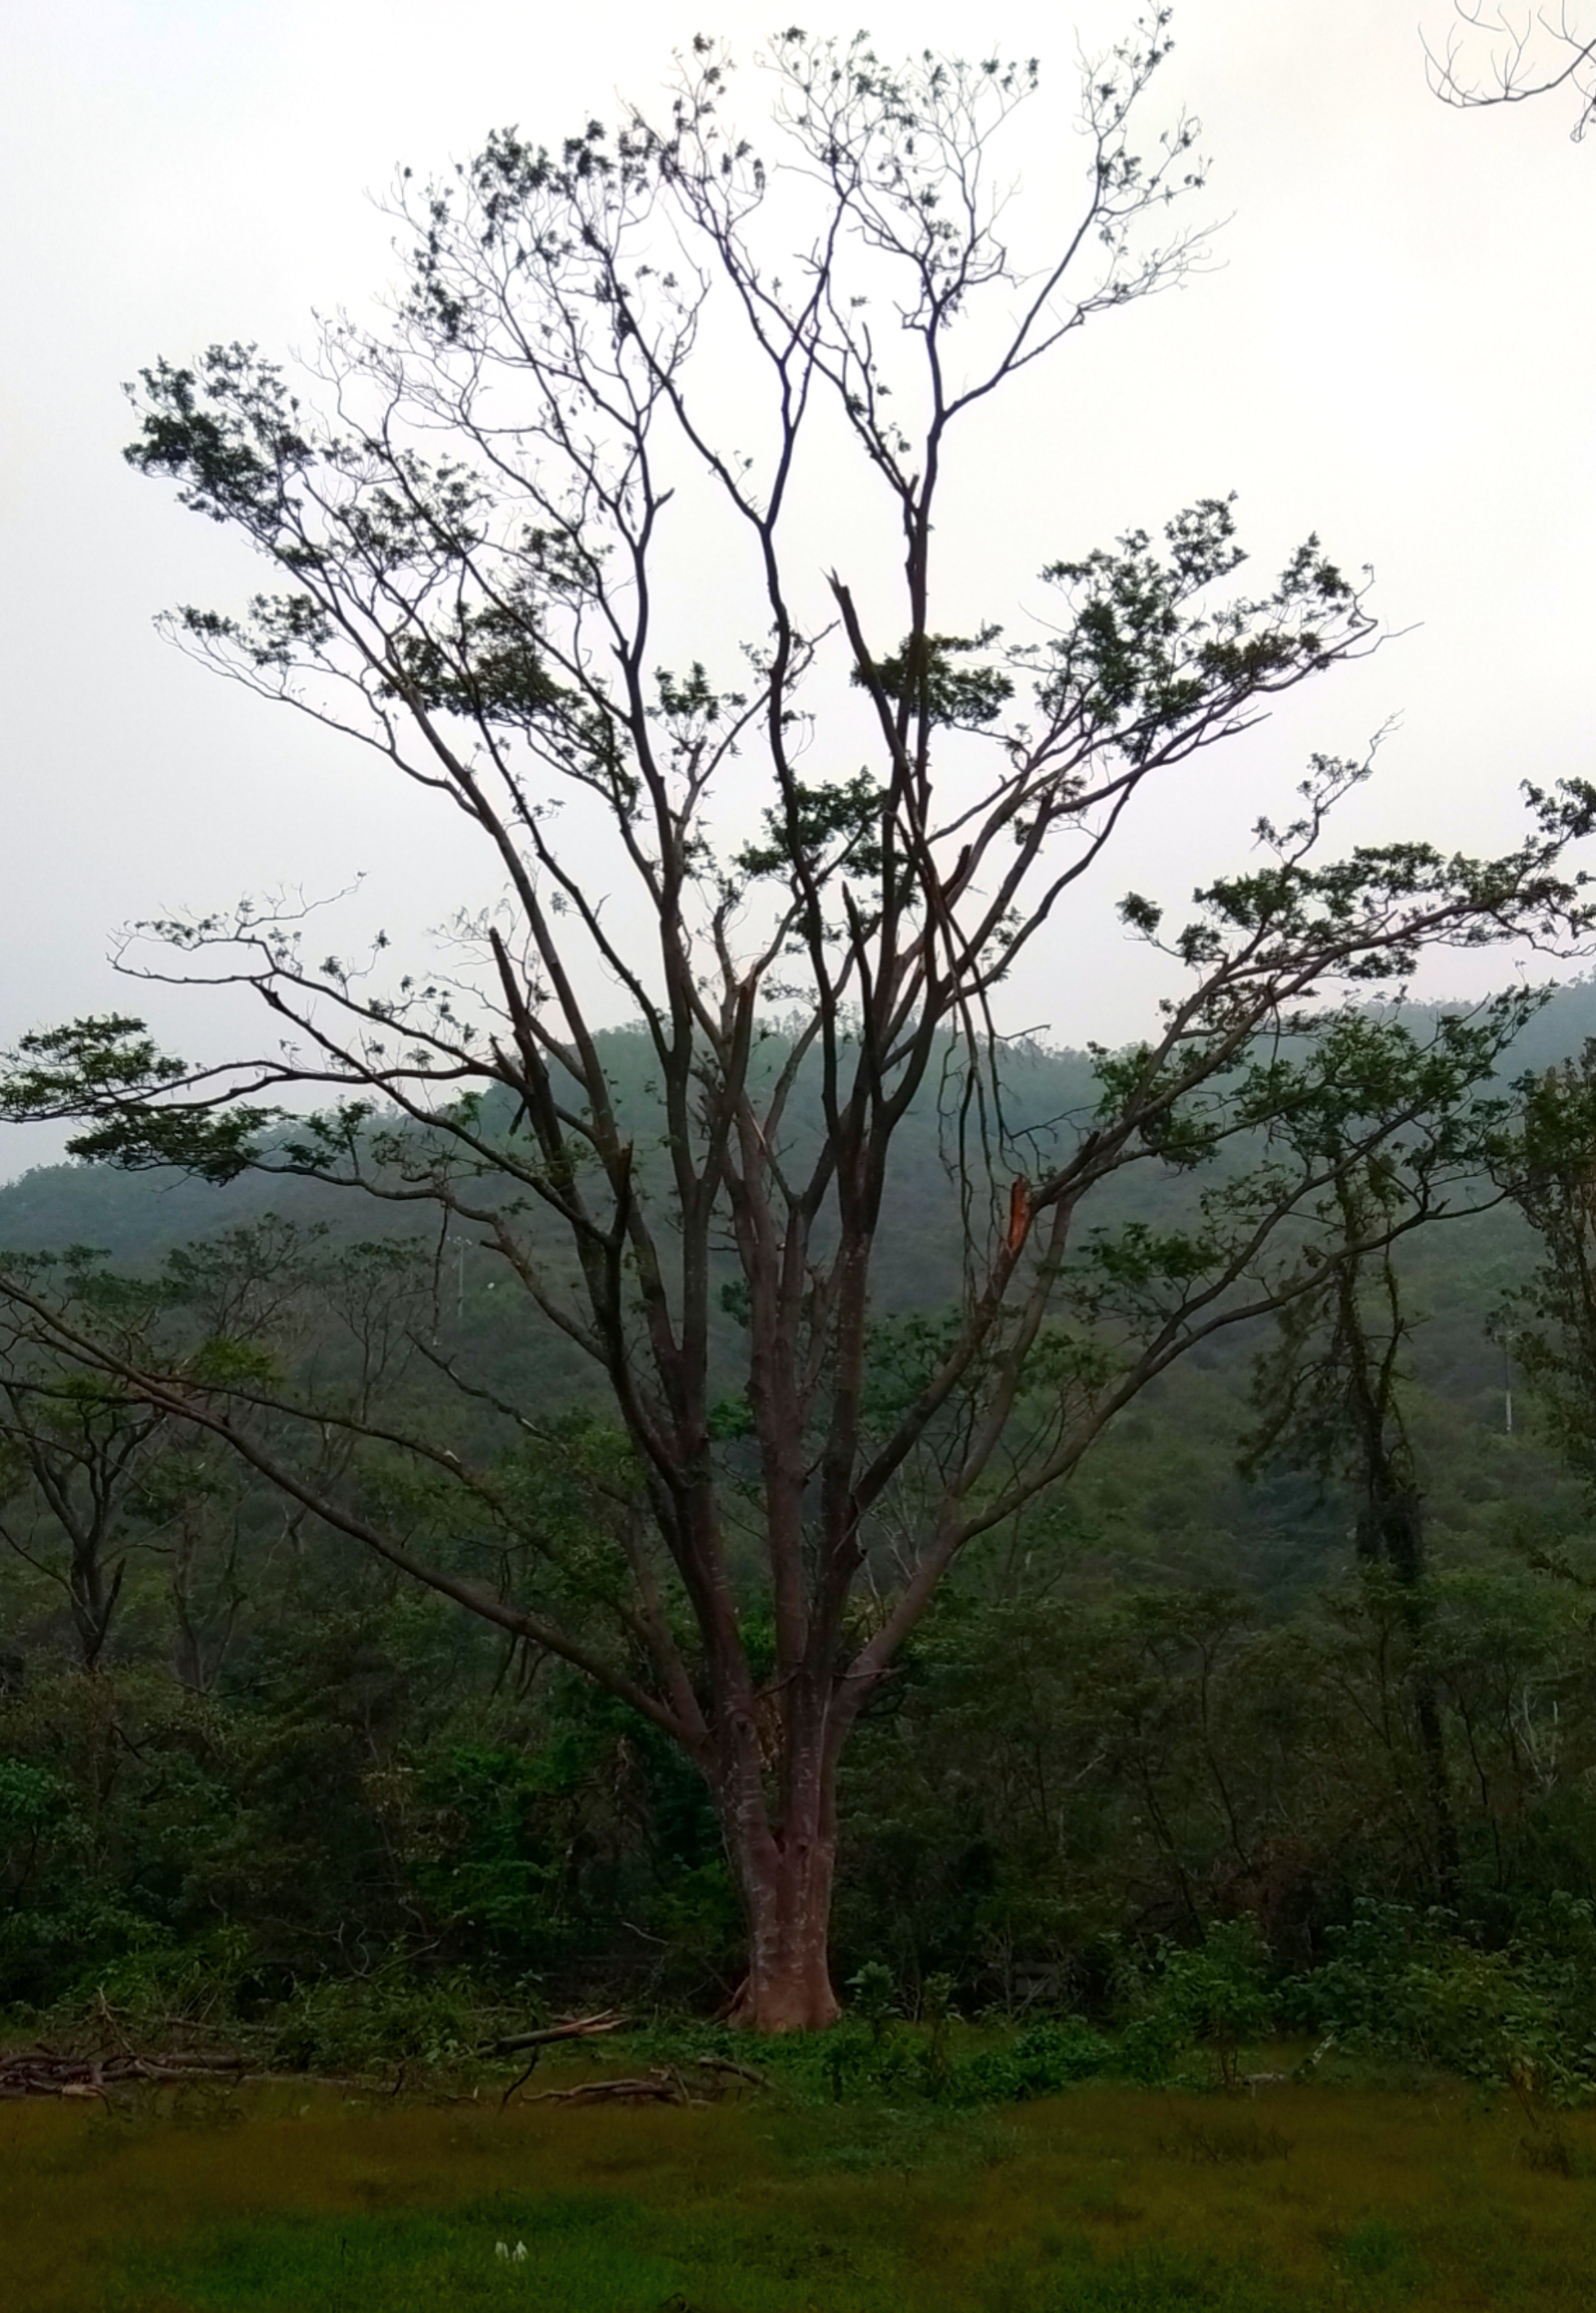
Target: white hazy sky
{"type": "Point", "coordinates": [1395, 347]}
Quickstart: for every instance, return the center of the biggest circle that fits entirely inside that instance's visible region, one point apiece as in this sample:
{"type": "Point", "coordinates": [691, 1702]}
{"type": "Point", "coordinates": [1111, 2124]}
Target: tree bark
{"type": "Point", "coordinates": [788, 1986]}
{"type": "Point", "coordinates": [785, 1878]}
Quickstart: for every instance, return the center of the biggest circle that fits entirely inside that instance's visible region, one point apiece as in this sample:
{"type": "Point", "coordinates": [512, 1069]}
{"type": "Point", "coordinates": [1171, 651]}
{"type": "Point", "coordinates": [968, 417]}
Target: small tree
{"type": "Point", "coordinates": [1545, 1162]}
{"type": "Point", "coordinates": [602, 354]}
{"type": "Point", "coordinates": [75, 1450]}
{"type": "Point", "coordinates": [1330, 1397]}
{"type": "Point", "coordinates": [94, 1473]}
{"type": "Point", "coordinates": [1329, 1391]}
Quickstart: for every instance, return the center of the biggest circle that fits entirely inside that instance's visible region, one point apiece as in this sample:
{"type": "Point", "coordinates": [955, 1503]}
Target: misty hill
{"type": "Point", "coordinates": [1167, 1472]}
{"type": "Point", "coordinates": [139, 1216]}
{"type": "Point", "coordinates": [1160, 1498]}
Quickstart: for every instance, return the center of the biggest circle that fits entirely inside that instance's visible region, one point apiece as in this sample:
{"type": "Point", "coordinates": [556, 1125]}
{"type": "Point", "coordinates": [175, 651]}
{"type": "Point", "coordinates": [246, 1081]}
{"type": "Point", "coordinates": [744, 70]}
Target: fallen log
{"type": "Point", "coordinates": [182, 2068]}
{"type": "Point", "coordinates": [574, 2028]}
{"type": "Point", "coordinates": [724, 2064]}
{"type": "Point", "coordinates": [655, 2088]}
{"type": "Point", "coordinates": [532, 2044]}
{"type": "Point", "coordinates": [46, 2072]}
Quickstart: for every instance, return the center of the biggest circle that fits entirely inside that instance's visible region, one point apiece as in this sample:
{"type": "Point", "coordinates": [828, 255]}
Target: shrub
{"type": "Point", "coordinates": [1214, 1995]}
{"type": "Point", "coordinates": [1039, 2060]}
{"type": "Point", "coordinates": [1409, 1984]}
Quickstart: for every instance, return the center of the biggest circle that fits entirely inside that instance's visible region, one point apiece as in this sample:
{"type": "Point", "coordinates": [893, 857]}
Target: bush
{"type": "Point", "coordinates": [1408, 1984]}
{"type": "Point", "coordinates": [1215, 1995]}
{"type": "Point", "coordinates": [346, 2024]}
{"type": "Point", "coordinates": [1043, 2059]}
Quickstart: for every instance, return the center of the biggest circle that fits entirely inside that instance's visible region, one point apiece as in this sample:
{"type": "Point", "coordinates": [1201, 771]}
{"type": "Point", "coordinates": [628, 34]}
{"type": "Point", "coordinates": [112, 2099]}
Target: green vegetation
{"type": "Point", "coordinates": [308, 1801]}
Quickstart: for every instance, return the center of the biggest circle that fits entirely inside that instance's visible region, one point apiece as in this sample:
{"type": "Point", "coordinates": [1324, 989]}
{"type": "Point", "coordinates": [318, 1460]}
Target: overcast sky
{"type": "Point", "coordinates": [1394, 346]}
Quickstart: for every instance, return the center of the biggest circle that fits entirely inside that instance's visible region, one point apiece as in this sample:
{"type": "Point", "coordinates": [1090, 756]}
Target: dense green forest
{"type": "Point", "coordinates": [240, 1750]}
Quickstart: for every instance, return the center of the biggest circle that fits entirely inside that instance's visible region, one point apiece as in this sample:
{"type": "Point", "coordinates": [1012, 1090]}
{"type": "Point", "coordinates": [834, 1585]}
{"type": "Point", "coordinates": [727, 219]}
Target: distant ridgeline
{"type": "Point", "coordinates": [139, 1215]}
{"type": "Point", "coordinates": [1160, 1500]}
{"type": "Point", "coordinates": [136, 1218]}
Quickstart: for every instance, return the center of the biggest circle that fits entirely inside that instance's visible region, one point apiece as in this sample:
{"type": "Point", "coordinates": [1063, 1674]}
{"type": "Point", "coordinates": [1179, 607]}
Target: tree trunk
{"type": "Point", "coordinates": [785, 1879]}
{"type": "Point", "coordinates": [1391, 1531]}
{"type": "Point", "coordinates": [787, 1895]}
{"type": "Point", "coordinates": [94, 1601]}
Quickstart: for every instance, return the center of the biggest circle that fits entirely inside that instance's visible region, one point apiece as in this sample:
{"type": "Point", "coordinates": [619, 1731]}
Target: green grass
{"type": "Point", "coordinates": [1106, 2200]}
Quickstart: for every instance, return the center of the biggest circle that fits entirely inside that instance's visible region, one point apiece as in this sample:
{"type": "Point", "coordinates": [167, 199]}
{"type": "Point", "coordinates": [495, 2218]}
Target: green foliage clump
{"type": "Point", "coordinates": [1406, 1983]}
{"type": "Point", "coordinates": [398, 2015]}
{"type": "Point", "coordinates": [1049, 2055]}
{"type": "Point", "coordinates": [1215, 1995]}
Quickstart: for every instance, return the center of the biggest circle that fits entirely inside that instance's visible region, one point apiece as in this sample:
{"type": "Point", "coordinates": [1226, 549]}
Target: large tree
{"type": "Point", "coordinates": [625, 385]}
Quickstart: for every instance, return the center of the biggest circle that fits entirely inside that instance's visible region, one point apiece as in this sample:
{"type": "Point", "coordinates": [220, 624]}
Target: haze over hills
{"type": "Point", "coordinates": [141, 1215]}
{"type": "Point", "coordinates": [1160, 1496]}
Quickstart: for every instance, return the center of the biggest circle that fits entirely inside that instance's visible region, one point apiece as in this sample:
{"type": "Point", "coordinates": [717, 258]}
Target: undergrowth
{"type": "Point", "coordinates": [1403, 1995]}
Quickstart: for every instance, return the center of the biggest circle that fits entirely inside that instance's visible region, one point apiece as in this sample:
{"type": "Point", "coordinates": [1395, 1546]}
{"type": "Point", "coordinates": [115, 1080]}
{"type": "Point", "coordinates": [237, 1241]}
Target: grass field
{"type": "Point", "coordinates": [1105, 2201]}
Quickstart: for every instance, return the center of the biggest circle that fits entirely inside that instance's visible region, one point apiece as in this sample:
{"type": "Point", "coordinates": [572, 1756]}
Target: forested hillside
{"type": "Point", "coordinates": [233, 1743]}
